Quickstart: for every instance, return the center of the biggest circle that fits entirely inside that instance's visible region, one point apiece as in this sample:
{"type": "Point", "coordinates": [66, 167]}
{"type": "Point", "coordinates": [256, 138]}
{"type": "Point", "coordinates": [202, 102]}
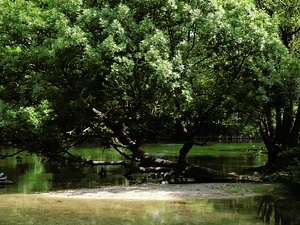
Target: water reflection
{"type": "Point", "coordinates": [30, 175]}
{"type": "Point", "coordinates": [228, 163]}
{"type": "Point", "coordinates": [279, 211]}
{"type": "Point", "coordinates": [40, 209]}
{"type": "Point", "coordinates": [44, 179]}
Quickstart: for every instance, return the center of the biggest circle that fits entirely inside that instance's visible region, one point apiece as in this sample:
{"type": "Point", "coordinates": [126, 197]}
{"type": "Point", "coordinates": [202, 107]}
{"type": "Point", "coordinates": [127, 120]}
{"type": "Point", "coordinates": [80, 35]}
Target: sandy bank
{"type": "Point", "coordinates": [163, 191]}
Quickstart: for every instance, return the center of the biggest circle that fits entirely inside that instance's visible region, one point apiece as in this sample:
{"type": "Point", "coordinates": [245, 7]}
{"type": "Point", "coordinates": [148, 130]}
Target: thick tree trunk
{"type": "Point", "coordinates": [287, 128]}
{"type": "Point", "coordinates": [270, 142]}
{"type": "Point", "coordinates": [149, 163]}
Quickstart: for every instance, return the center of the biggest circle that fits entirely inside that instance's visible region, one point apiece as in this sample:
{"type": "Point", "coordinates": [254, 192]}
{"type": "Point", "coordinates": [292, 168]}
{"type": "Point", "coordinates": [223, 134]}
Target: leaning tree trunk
{"type": "Point", "coordinates": [149, 163]}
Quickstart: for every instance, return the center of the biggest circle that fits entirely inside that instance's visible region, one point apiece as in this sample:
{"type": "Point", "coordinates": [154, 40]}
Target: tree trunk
{"type": "Point", "coordinates": [294, 137]}
{"type": "Point", "coordinates": [286, 134]}
{"type": "Point", "coordinates": [149, 163]}
{"type": "Point", "coordinates": [269, 141]}
{"type": "Point", "coordinates": [184, 151]}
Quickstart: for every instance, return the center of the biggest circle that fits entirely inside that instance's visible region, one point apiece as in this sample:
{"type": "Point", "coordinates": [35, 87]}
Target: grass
{"type": "Point", "coordinates": [261, 189]}
{"type": "Point", "coordinates": [276, 189]}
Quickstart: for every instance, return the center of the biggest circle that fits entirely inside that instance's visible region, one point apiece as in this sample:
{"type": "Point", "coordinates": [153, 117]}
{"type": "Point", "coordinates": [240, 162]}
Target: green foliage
{"type": "Point", "coordinates": [37, 65]}
{"type": "Point", "coordinates": [221, 62]}
{"type": "Point", "coordinates": [32, 117]}
{"type": "Point", "coordinates": [279, 87]}
{"type": "Point", "coordinates": [295, 173]}
{"type": "Point", "coordinates": [291, 163]}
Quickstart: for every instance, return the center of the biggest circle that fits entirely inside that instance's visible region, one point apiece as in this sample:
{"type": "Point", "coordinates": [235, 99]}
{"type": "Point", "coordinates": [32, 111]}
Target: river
{"type": "Point", "coordinates": [31, 175]}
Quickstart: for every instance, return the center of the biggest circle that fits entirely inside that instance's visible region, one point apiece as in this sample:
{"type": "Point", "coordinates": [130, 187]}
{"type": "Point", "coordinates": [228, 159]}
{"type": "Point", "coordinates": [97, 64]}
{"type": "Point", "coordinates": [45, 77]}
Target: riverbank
{"type": "Point", "coordinates": [166, 191]}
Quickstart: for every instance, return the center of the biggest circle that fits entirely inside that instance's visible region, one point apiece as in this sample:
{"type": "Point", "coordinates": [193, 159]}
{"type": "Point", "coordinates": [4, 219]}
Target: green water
{"type": "Point", "coordinates": [37, 209]}
{"type": "Point", "coordinates": [30, 176]}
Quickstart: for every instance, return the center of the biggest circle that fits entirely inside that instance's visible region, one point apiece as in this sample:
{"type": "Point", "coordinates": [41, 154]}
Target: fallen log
{"type": "Point", "coordinates": [3, 180]}
{"type": "Point", "coordinates": [106, 163]}
{"type": "Point", "coordinates": [148, 163]}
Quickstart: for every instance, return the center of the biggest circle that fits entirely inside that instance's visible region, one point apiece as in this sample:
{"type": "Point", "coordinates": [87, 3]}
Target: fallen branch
{"type": "Point", "coordinates": [3, 180]}
{"type": "Point", "coordinates": [147, 170]}
{"type": "Point", "coordinates": [106, 163]}
{"type": "Point", "coordinates": [148, 163]}
{"type": "Point", "coordinates": [123, 137]}
{"type": "Point", "coordinates": [122, 153]}
{"type": "Point", "coordinates": [3, 156]}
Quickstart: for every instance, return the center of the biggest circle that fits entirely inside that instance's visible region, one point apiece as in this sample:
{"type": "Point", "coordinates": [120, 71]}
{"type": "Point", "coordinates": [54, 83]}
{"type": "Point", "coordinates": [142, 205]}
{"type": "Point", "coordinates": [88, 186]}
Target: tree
{"type": "Point", "coordinates": [280, 117]}
{"type": "Point", "coordinates": [149, 67]}
{"type": "Point", "coordinates": [225, 54]}
{"type": "Point", "coordinates": [41, 69]}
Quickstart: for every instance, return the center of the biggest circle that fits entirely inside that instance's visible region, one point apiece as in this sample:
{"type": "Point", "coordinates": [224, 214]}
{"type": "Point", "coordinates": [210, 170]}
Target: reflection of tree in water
{"type": "Point", "coordinates": [281, 211]}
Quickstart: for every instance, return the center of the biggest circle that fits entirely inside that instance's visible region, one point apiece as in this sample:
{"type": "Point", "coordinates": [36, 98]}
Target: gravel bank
{"type": "Point", "coordinates": [163, 191]}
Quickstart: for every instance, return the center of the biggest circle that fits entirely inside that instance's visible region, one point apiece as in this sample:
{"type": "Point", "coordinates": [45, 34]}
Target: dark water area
{"type": "Point", "coordinates": [30, 175]}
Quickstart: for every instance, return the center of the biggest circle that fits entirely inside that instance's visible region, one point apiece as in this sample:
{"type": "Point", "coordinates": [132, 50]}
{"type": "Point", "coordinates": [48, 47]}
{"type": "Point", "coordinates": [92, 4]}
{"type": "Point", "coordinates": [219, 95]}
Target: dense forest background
{"type": "Point", "coordinates": [149, 69]}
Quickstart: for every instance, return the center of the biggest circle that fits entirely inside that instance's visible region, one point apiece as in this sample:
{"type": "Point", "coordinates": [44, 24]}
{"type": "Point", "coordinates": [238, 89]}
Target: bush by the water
{"type": "Point", "coordinates": [291, 163]}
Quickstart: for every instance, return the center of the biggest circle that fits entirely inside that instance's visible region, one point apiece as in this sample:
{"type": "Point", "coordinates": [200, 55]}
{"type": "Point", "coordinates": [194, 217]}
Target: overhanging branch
{"type": "Point", "coordinates": [149, 163]}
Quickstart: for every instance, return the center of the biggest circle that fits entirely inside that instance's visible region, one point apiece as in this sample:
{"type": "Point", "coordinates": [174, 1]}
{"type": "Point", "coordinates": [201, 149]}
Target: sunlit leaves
{"type": "Point", "coordinates": [135, 59]}
{"type": "Point", "coordinates": [35, 116]}
{"type": "Point", "coordinates": [29, 118]}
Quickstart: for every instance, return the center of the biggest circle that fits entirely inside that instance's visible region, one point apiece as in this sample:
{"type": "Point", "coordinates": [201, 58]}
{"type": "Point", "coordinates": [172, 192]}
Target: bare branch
{"type": "Point", "coordinates": [122, 153]}
{"type": "Point", "coordinates": [3, 156]}
{"type": "Point", "coordinates": [201, 144]}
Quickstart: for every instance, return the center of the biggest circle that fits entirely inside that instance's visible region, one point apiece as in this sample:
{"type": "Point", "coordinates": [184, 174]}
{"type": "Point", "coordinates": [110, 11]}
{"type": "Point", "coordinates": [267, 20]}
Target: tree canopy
{"type": "Point", "coordinates": [153, 67]}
